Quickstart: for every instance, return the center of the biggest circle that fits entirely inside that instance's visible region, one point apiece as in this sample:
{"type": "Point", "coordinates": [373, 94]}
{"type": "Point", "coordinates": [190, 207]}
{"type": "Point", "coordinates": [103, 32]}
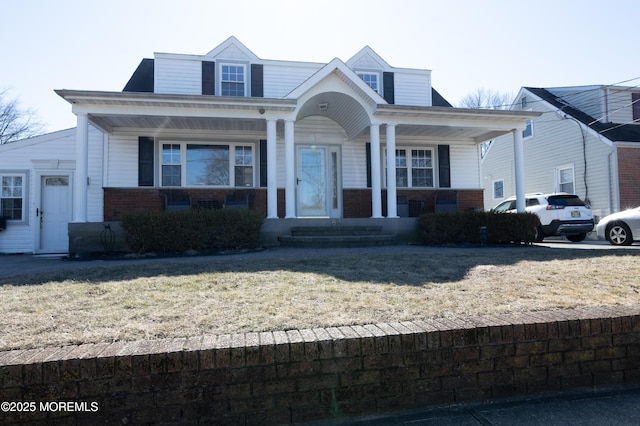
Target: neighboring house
{"type": "Point", "coordinates": [586, 141]}
{"type": "Point", "coordinates": [338, 140]}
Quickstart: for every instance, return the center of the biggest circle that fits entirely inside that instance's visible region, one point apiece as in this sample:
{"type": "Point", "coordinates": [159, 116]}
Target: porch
{"type": "Point", "coordinates": [357, 211]}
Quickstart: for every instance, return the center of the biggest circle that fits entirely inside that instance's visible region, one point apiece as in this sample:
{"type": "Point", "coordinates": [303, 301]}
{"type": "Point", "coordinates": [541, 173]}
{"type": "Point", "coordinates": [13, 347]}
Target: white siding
{"type": "Point", "coordinates": [50, 153]}
{"type": "Point", "coordinates": [122, 157]}
{"type": "Point", "coordinates": [282, 78]}
{"type": "Point", "coordinates": [354, 165]}
{"type": "Point", "coordinates": [178, 76]}
{"type": "Point", "coordinates": [412, 88]}
{"type": "Point", "coordinates": [464, 166]}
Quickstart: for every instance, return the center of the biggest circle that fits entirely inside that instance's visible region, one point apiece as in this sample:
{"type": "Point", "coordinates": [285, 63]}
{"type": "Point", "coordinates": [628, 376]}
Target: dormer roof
{"type": "Point", "coordinates": [367, 58]}
{"type": "Point", "coordinates": [232, 49]}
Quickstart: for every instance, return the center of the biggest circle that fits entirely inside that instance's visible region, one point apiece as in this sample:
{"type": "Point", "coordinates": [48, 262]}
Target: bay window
{"type": "Point", "coordinates": [207, 164]}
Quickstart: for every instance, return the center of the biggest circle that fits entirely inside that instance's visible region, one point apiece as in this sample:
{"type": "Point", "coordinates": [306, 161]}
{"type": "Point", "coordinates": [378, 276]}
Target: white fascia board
{"type": "Point", "coordinates": [336, 64]}
{"type": "Point", "coordinates": [177, 56]}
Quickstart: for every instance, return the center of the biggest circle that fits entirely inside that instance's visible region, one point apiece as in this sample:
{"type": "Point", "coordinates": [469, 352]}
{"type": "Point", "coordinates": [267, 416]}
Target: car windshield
{"type": "Point", "coordinates": [565, 200]}
{"type": "Point", "coordinates": [505, 206]}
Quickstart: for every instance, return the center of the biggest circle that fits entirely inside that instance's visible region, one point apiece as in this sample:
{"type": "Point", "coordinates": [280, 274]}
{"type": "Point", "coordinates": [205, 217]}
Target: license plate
{"type": "Point", "coordinates": [575, 213]}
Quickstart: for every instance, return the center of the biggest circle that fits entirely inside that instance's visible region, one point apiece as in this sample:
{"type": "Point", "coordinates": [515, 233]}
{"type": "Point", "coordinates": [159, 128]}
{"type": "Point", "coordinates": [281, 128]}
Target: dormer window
{"type": "Point", "coordinates": [371, 78]}
{"type": "Point", "coordinates": [233, 80]}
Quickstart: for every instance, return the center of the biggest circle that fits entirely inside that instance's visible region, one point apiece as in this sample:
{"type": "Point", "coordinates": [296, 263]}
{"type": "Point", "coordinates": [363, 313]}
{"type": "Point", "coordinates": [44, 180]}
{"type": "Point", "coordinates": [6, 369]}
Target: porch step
{"type": "Point", "coordinates": [336, 236]}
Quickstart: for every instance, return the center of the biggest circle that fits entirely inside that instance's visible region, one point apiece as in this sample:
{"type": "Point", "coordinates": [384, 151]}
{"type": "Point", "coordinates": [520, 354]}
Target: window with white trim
{"type": "Point", "coordinates": [414, 168]}
{"type": "Point", "coordinates": [565, 180]}
{"type": "Point", "coordinates": [207, 164]}
{"type": "Point", "coordinates": [371, 78]}
{"type": "Point", "coordinates": [171, 164]}
{"type": "Point", "coordinates": [528, 131]}
{"type": "Point", "coordinates": [12, 196]}
{"type": "Point", "coordinates": [233, 80]}
{"type": "Point", "coordinates": [498, 189]}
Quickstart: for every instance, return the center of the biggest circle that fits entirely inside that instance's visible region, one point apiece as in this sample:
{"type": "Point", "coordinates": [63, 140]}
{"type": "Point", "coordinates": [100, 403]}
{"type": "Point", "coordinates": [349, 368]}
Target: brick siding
{"type": "Point", "coordinates": [303, 375]}
{"type": "Point", "coordinates": [356, 202]}
{"type": "Point", "coordinates": [628, 177]}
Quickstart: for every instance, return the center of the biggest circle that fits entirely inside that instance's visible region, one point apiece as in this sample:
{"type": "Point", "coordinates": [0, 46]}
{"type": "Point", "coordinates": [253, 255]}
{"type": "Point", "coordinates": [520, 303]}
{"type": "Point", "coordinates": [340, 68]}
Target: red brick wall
{"type": "Point", "coordinates": [303, 375]}
{"type": "Point", "coordinates": [629, 177]}
{"type": "Point", "coordinates": [120, 201]}
{"type": "Point", "coordinates": [356, 202]}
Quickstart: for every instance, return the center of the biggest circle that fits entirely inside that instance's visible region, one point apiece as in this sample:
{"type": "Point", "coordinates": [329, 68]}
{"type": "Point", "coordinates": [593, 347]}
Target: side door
{"type": "Point", "coordinates": [54, 213]}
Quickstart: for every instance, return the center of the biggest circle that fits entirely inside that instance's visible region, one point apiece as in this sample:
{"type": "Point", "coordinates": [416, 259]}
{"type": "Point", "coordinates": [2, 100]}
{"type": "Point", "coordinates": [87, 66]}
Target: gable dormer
{"type": "Point", "coordinates": [398, 86]}
{"type": "Point", "coordinates": [375, 71]}
{"type": "Point", "coordinates": [230, 69]}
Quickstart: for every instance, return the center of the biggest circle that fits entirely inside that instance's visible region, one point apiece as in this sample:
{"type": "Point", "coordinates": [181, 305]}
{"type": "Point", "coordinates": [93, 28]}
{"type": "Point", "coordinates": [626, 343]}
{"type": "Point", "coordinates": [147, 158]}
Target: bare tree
{"type": "Point", "coordinates": [15, 122]}
{"type": "Point", "coordinates": [487, 99]}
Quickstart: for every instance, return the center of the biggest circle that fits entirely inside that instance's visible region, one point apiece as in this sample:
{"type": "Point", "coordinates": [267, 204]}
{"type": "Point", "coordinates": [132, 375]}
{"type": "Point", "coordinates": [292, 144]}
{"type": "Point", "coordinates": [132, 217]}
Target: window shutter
{"type": "Point", "coordinates": [388, 87]}
{"type": "Point", "coordinates": [635, 98]}
{"type": "Point", "coordinates": [368, 149]}
{"type": "Point", "coordinates": [257, 86]}
{"type": "Point", "coordinates": [208, 78]}
{"type": "Point", "coordinates": [444, 166]}
{"type": "Point", "coordinates": [145, 161]}
{"type": "Point", "coordinates": [263, 163]}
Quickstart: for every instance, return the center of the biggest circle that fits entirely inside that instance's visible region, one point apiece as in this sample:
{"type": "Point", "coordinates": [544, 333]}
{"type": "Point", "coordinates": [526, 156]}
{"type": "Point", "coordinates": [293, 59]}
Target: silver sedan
{"type": "Point", "coordinates": [621, 228]}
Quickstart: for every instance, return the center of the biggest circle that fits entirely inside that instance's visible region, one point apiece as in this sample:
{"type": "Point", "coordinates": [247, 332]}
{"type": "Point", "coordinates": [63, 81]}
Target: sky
{"type": "Point", "coordinates": [497, 45]}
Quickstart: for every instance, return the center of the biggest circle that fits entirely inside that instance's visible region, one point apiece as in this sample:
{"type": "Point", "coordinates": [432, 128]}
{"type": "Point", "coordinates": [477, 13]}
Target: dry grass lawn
{"type": "Point", "coordinates": [223, 295]}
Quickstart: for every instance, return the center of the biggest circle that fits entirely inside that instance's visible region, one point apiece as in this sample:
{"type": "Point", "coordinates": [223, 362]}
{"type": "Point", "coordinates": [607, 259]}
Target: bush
{"type": "Point", "coordinates": [191, 230]}
{"type": "Point", "coordinates": [464, 227]}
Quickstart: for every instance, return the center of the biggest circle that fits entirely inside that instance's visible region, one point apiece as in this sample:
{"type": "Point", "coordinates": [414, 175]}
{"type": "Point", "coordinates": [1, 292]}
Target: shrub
{"type": "Point", "coordinates": [191, 230]}
{"type": "Point", "coordinates": [464, 227]}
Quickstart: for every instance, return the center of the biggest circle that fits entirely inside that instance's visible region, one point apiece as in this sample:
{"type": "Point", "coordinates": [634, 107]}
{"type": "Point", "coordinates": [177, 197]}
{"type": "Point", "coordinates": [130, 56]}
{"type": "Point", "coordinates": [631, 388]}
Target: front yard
{"type": "Point", "coordinates": [223, 295]}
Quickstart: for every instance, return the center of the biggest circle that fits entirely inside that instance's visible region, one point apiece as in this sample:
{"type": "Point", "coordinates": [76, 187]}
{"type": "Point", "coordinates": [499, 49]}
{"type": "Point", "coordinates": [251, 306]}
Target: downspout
{"type": "Point", "coordinates": [584, 157]}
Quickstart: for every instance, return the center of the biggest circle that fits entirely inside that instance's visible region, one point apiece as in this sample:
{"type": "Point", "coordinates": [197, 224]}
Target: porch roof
{"type": "Point", "coordinates": [128, 110]}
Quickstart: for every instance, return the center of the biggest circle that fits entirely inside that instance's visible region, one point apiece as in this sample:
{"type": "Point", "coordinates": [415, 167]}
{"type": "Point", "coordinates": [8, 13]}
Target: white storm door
{"type": "Point", "coordinates": [312, 181]}
{"type": "Point", "coordinates": [54, 214]}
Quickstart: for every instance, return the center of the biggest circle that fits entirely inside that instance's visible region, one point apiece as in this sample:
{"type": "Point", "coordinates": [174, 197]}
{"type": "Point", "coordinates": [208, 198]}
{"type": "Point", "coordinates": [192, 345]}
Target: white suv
{"type": "Point", "coordinates": [560, 214]}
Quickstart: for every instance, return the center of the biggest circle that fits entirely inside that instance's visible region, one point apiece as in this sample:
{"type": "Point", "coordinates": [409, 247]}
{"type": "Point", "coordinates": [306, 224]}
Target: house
{"type": "Point", "coordinates": [340, 141]}
{"type": "Point", "coordinates": [586, 141]}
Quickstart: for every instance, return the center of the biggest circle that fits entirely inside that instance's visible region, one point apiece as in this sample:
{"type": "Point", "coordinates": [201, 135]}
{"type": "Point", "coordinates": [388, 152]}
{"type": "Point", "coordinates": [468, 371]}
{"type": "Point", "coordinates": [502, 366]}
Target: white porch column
{"type": "Point", "coordinates": [392, 205]}
{"type": "Point", "coordinates": [518, 151]}
{"type": "Point", "coordinates": [82, 165]}
{"type": "Point", "coordinates": [290, 172]}
{"type": "Point", "coordinates": [376, 196]}
{"type": "Point", "coordinates": [272, 184]}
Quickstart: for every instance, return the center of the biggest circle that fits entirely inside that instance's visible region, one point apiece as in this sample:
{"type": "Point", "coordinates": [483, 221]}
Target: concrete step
{"type": "Point", "coordinates": [336, 240]}
{"type": "Point", "coordinates": [336, 236]}
{"type": "Point", "coordinates": [323, 231]}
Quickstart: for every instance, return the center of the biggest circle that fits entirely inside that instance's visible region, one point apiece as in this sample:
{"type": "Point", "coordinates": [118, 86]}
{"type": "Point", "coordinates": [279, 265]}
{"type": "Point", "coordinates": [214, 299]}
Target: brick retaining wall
{"type": "Point", "coordinates": [303, 375]}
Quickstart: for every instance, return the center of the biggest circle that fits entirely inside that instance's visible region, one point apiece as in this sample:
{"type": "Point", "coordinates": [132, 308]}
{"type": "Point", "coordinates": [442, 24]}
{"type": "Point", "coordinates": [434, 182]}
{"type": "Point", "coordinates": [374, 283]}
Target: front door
{"type": "Point", "coordinates": [54, 214]}
{"type": "Point", "coordinates": [318, 181]}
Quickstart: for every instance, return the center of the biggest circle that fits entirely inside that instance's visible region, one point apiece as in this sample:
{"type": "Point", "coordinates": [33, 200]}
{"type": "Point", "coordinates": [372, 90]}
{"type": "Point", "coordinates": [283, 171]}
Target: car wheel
{"type": "Point", "coordinates": [619, 234]}
{"type": "Point", "coordinates": [576, 238]}
{"type": "Point", "coordinates": [539, 234]}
